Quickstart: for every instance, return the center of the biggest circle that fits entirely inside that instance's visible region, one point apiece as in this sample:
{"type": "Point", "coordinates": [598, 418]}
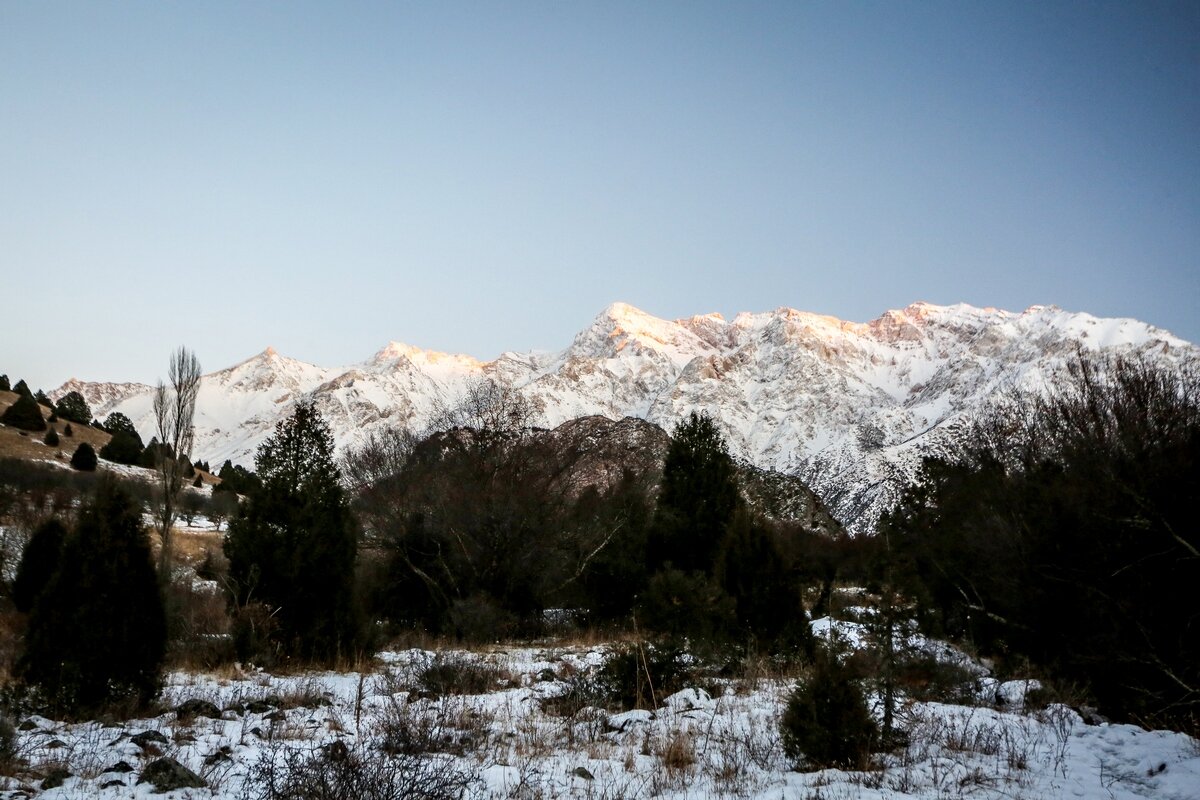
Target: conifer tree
{"type": "Point", "coordinates": [97, 633]}
{"type": "Point", "coordinates": [72, 406]}
{"type": "Point", "coordinates": [5, 386]}
{"type": "Point", "coordinates": [51, 438]}
{"type": "Point", "coordinates": [68, 430]}
{"type": "Point", "coordinates": [22, 388]}
{"type": "Point", "coordinates": [43, 400]}
{"type": "Point", "coordinates": [39, 562]}
{"type": "Point", "coordinates": [294, 544]}
{"type": "Point", "coordinates": [84, 458]}
{"type": "Point", "coordinates": [125, 446]}
{"type": "Point", "coordinates": [24, 414]}
{"type": "Point", "coordinates": [699, 498]}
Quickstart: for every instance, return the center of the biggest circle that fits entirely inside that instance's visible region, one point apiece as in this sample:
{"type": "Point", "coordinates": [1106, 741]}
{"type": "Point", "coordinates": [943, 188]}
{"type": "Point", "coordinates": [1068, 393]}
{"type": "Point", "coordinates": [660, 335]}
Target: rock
{"type": "Point", "coordinates": [217, 756]}
{"type": "Point", "coordinates": [120, 766]}
{"type": "Point", "coordinates": [629, 720]}
{"type": "Point", "coordinates": [276, 716]}
{"type": "Point", "coordinates": [547, 675]}
{"type": "Point", "coordinates": [688, 700]}
{"type": "Point", "coordinates": [580, 772]}
{"type": "Point", "coordinates": [54, 778]}
{"type": "Point", "coordinates": [111, 784]}
{"type": "Point", "coordinates": [259, 707]}
{"type": "Point", "coordinates": [146, 738]}
{"type": "Point", "coordinates": [197, 708]}
{"type": "Point", "coordinates": [27, 725]}
{"type": "Point", "coordinates": [167, 774]}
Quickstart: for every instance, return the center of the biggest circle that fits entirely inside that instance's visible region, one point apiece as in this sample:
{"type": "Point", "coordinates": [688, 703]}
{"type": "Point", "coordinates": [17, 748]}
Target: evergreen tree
{"type": "Point", "coordinates": [698, 500]}
{"type": "Point", "coordinates": [98, 631]}
{"type": "Point", "coordinates": [51, 438]}
{"type": "Point", "coordinates": [72, 406]}
{"type": "Point", "coordinates": [24, 414]}
{"type": "Point", "coordinates": [125, 446]}
{"type": "Point", "coordinates": [68, 430]}
{"type": "Point", "coordinates": [22, 388]}
{"type": "Point", "coordinates": [84, 458]}
{"type": "Point", "coordinates": [43, 400]}
{"type": "Point", "coordinates": [5, 386]}
{"type": "Point", "coordinates": [294, 544]}
{"type": "Point", "coordinates": [39, 562]}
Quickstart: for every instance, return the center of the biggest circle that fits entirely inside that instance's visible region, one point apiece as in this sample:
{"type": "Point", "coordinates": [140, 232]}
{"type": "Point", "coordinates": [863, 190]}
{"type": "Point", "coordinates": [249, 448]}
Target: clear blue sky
{"type": "Point", "coordinates": [488, 176]}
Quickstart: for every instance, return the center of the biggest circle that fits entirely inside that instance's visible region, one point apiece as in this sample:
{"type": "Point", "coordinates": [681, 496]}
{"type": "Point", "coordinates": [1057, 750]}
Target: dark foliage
{"type": "Point", "coordinates": [123, 449]}
{"type": "Point", "coordinates": [641, 674]}
{"type": "Point", "coordinates": [73, 407]}
{"type": "Point", "coordinates": [753, 570]}
{"type": "Point", "coordinates": [22, 389]}
{"type": "Point", "coordinates": [39, 562]}
{"type": "Point", "coordinates": [1068, 537]}
{"type": "Point", "coordinates": [237, 479]}
{"type": "Point", "coordinates": [5, 386]}
{"type": "Point", "coordinates": [84, 458]}
{"type": "Point", "coordinates": [294, 543]}
{"type": "Point", "coordinates": [42, 399]}
{"type": "Point", "coordinates": [68, 430]}
{"type": "Point", "coordinates": [117, 422]}
{"type": "Point", "coordinates": [698, 499]}
{"type": "Point", "coordinates": [826, 722]}
{"type": "Point", "coordinates": [679, 604]}
{"type": "Point", "coordinates": [97, 633]}
{"type": "Point", "coordinates": [24, 414]}
{"type": "Point", "coordinates": [51, 438]}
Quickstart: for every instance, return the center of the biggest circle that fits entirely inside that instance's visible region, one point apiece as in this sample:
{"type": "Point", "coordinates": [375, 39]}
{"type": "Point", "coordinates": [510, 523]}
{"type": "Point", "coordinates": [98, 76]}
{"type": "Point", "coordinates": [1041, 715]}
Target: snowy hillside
{"type": "Point", "coordinates": [849, 407]}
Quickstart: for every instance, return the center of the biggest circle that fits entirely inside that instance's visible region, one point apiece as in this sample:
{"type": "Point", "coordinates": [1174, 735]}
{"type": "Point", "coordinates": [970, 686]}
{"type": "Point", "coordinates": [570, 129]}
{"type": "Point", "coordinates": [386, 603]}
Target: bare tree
{"type": "Point", "coordinates": [174, 414]}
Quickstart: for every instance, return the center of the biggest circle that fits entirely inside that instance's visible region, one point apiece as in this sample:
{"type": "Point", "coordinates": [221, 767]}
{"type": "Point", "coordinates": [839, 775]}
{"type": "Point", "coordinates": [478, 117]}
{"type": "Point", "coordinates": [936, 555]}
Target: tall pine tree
{"type": "Point", "coordinates": [698, 500]}
{"type": "Point", "coordinates": [294, 545]}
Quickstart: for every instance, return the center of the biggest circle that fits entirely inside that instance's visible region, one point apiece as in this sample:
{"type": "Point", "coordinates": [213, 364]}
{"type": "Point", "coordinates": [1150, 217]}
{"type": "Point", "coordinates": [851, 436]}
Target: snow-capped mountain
{"type": "Point", "coordinates": [849, 407]}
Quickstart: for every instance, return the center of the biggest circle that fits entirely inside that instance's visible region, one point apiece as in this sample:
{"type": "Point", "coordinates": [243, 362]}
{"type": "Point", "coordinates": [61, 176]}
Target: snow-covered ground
{"type": "Point", "coordinates": [503, 743]}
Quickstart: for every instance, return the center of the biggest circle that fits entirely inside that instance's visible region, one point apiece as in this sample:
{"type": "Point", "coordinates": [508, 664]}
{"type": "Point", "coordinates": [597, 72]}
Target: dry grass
{"type": "Point", "coordinates": [190, 546]}
{"type": "Point", "coordinates": [14, 445]}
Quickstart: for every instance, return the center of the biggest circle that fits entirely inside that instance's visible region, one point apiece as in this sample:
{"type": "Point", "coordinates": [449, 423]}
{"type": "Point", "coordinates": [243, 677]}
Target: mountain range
{"type": "Point", "coordinates": [850, 408]}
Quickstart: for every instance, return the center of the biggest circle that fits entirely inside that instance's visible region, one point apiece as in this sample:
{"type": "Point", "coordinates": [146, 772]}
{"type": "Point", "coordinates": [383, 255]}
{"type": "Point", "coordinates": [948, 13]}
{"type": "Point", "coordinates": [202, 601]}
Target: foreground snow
{"type": "Point", "coordinates": [505, 745]}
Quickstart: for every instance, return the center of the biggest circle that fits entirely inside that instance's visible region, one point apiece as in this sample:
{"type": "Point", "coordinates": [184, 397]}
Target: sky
{"type": "Point", "coordinates": [482, 177]}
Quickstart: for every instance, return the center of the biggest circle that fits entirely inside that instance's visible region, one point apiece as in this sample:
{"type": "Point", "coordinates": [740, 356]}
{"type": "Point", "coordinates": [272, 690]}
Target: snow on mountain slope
{"type": "Point", "coordinates": [849, 407]}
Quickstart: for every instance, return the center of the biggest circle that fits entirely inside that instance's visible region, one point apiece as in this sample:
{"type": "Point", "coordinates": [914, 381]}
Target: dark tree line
{"type": "Point", "coordinates": [1067, 534]}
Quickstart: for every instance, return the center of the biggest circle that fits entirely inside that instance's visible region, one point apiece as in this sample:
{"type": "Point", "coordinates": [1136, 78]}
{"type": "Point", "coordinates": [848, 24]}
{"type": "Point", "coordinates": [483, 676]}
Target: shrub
{"type": "Point", "coordinates": [25, 414]}
{"type": "Point", "coordinates": [638, 675]}
{"type": "Point", "coordinates": [687, 604]}
{"type": "Point", "coordinates": [97, 634]}
{"type": "Point", "coordinates": [68, 430]}
{"type": "Point", "coordinates": [51, 438]}
{"type": "Point", "coordinates": [458, 674]}
{"type": "Point", "coordinates": [478, 619]}
{"type": "Point", "coordinates": [84, 458]}
{"type": "Point", "coordinates": [826, 722]}
{"type": "Point", "coordinates": [337, 771]}
{"type": "Point", "coordinates": [5, 386]}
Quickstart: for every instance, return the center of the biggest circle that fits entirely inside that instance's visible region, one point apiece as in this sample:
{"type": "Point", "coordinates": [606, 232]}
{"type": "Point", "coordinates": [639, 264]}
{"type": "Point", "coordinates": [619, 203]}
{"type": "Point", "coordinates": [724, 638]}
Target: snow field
{"type": "Point", "coordinates": [696, 744]}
